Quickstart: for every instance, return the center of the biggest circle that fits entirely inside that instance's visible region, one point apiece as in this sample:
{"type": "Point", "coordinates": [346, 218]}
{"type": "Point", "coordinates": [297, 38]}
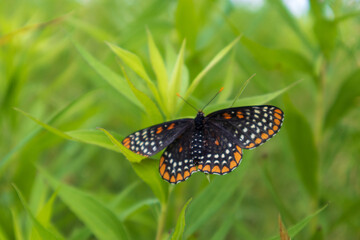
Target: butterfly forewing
{"type": "Point", "coordinates": [222, 152]}
{"type": "Point", "coordinates": [251, 126]}
{"type": "Point", "coordinates": [152, 140]}
{"type": "Point", "coordinates": [176, 164]}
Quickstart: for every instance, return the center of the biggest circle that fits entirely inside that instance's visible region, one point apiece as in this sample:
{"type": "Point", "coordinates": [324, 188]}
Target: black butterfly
{"type": "Point", "coordinates": [210, 144]}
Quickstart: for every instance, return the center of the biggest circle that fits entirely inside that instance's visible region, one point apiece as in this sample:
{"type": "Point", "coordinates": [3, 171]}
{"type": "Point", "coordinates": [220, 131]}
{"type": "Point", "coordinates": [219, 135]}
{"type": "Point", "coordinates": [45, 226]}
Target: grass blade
{"type": "Point", "coordinates": [42, 232]}
{"type": "Point", "coordinates": [212, 63]}
{"type": "Point", "coordinates": [108, 75]}
{"type": "Point", "coordinates": [96, 216]}
{"type": "Point", "coordinates": [180, 224]}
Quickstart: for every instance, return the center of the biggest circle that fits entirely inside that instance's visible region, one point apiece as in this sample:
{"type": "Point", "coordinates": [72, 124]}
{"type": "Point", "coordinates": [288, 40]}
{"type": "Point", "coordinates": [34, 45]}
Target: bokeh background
{"type": "Point", "coordinates": [69, 68]}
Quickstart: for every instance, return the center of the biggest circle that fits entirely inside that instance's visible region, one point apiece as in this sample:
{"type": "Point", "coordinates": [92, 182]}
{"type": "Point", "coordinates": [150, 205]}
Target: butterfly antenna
{"type": "Point", "coordinates": [177, 94]}
{"type": "Point", "coordinates": [212, 98]}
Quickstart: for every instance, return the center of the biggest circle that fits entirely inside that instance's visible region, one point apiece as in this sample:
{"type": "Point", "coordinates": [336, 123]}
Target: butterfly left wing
{"type": "Point", "coordinates": [176, 164]}
{"type": "Point", "coordinates": [251, 125]}
{"type": "Point", "coordinates": [152, 140]}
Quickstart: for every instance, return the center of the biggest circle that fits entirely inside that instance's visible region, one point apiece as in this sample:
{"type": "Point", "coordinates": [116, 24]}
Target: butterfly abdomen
{"type": "Point", "coordinates": [197, 140]}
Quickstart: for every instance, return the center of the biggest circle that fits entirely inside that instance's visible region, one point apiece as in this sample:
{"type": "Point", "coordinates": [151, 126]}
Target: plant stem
{"type": "Point", "coordinates": [161, 223]}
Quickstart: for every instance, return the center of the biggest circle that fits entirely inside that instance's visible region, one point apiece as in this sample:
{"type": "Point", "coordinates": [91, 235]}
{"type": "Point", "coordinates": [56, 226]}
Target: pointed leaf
{"type": "Point", "coordinates": [212, 63]}
{"type": "Point", "coordinates": [153, 113]}
{"type": "Point", "coordinates": [41, 230]}
{"type": "Point", "coordinates": [158, 66]}
{"type": "Point", "coordinates": [132, 157]}
{"type": "Point", "coordinates": [180, 224]}
{"type": "Point", "coordinates": [96, 216]}
{"type": "Point", "coordinates": [108, 75]}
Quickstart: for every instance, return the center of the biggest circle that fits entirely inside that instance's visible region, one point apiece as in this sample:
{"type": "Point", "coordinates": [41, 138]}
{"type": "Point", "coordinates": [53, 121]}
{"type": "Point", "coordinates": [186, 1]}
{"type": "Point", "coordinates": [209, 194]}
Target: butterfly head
{"type": "Point", "coordinates": [199, 120]}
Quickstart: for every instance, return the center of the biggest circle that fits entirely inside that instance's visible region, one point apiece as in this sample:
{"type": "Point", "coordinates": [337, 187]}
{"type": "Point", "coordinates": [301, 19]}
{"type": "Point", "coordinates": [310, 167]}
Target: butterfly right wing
{"type": "Point", "coordinates": [152, 140]}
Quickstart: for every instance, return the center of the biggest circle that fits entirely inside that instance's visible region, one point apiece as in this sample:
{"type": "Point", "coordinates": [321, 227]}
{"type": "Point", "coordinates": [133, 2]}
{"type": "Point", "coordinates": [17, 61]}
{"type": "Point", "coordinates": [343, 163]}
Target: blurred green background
{"type": "Point", "coordinates": [73, 67]}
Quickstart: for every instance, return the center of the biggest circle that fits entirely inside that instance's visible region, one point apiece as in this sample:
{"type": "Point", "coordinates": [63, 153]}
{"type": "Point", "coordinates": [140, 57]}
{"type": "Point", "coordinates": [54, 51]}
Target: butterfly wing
{"type": "Point", "coordinates": [250, 126]}
{"type": "Point", "coordinates": [221, 153]}
{"type": "Point", "coordinates": [152, 140]}
{"type": "Point", "coordinates": [176, 164]}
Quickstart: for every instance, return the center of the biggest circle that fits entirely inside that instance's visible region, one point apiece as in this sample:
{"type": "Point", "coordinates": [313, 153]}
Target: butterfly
{"type": "Point", "coordinates": [211, 144]}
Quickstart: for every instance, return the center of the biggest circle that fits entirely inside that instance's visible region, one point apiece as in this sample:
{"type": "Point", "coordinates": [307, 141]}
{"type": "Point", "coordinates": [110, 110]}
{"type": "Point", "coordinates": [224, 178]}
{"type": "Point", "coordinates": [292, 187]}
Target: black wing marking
{"type": "Point", "coordinates": [176, 163]}
{"type": "Point", "coordinates": [152, 140]}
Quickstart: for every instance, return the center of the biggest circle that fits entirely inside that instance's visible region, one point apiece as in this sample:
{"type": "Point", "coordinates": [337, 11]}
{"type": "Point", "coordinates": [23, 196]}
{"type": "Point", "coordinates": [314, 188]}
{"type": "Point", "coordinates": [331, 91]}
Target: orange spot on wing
{"type": "Point", "coordinates": [277, 121]}
{"type": "Point", "coordinates": [166, 176]}
{"type": "Point", "coordinates": [179, 177]}
{"type": "Point", "coordinates": [162, 160]}
{"type": "Point", "coordinates": [227, 116]}
{"type": "Point", "coordinates": [159, 130]}
{"type": "Point", "coordinates": [278, 111]}
{"type": "Point", "coordinates": [233, 164]}
{"type": "Point", "coordinates": [171, 126]}
{"type": "Point", "coordinates": [271, 132]}
{"type": "Point", "coordinates": [225, 169]}
{"type": "Point", "coordinates": [215, 169]}
{"type": "Point", "coordinates": [172, 179]}
{"type": "Point", "coordinates": [200, 166]}
{"type": "Point", "coordinates": [239, 149]}
{"type": "Point", "coordinates": [250, 145]}
{"type": "Point", "coordinates": [126, 140]}
{"type": "Point", "coordinates": [180, 149]}
{"type": "Point", "coordinates": [192, 169]}
{"type": "Point", "coordinates": [258, 140]}
{"type": "Point", "coordinates": [206, 168]}
{"type": "Point", "coordinates": [275, 128]}
{"type": "Point", "coordinates": [186, 174]}
{"type": "Point", "coordinates": [264, 136]}
{"type": "Point", "coordinates": [217, 142]}
{"type": "Point", "coordinates": [237, 157]}
{"type": "Point", "coordinates": [127, 145]}
{"type": "Point", "coordinates": [277, 115]}
{"type": "Point", "coordinates": [162, 169]}
{"type": "Point", "coordinates": [239, 115]}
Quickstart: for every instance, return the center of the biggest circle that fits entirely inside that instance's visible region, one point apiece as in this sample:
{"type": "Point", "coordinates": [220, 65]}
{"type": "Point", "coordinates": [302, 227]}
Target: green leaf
{"type": "Point", "coordinates": [137, 206]}
{"type": "Point", "coordinates": [294, 230]}
{"type": "Point", "coordinates": [274, 59]}
{"type": "Point", "coordinates": [108, 75]}
{"type": "Point", "coordinates": [42, 232]}
{"type": "Point", "coordinates": [152, 111]}
{"type": "Point", "coordinates": [345, 100]}
{"type": "Point", "coordinates": [148, 171]}
{"type": "Point", "coordinates": [326, 32]}
{"type": "Point", "coordinates": [175, 80]}
{"type": "Point", "coordinates": [301, 138]}
{"type": "Point", "coordinates": [97, 217]}
{"type": "Point", "coordinates": [16, 225]}
{"type": "Point", "coordinates": [212, 63]}
{"type": "Point", "coordinates": [212, 198]}
{"type": "Point", "coordinates": [180, 224]}
{"type": "Point", "coordinates": [158, 66]}
{"type": "Point", "coordinates": [46, 126]}
{"type": "Point", "coordinates": [93, 137]}
{"type": "Point", "coordinates": [131, 156]}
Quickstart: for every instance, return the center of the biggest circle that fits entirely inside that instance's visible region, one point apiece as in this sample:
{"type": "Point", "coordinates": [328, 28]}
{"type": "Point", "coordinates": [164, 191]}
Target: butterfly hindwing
{"type": "Point", "coordinates": [176, 164]}
{"type": "Point", "coordinates": [221, 152]}
{"type": "Point", "coordinates": [251, 126]}
{"type": "Point", "coordinates": [152, 140]}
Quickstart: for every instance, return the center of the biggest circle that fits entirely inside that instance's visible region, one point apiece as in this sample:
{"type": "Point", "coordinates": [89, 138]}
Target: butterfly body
{"type": "Point", "coordinates": [212, 144]}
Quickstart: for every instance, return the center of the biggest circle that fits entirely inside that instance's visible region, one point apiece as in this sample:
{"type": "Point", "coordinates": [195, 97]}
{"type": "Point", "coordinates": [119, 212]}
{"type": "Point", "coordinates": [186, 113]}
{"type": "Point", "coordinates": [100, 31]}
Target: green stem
{"type": "Point", "coordinates": [161, 223]}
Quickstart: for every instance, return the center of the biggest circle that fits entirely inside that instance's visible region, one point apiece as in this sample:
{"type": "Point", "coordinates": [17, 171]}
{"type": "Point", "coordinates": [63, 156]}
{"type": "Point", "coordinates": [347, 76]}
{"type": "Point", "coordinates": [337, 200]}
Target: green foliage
{"type": "Point", "coordinates": [78, 76]}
